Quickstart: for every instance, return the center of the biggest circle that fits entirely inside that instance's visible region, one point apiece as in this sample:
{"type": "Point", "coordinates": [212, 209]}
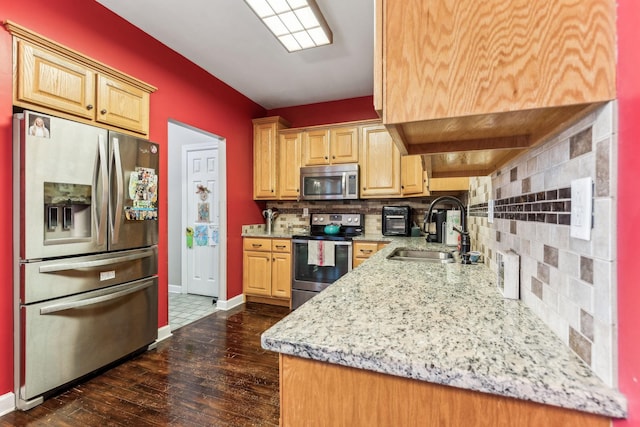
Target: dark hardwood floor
{"type": "Point", "coordinates": [212, 372]}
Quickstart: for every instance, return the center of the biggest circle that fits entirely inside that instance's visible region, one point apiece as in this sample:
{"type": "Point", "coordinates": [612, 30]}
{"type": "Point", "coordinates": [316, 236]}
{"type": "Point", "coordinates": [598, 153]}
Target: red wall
{"type": "Point", "coordinates": [629, 206]}
{"type": "Point", "coordinates": [185, 93]}
{"type": "Point", "coordinates": [328, 112]}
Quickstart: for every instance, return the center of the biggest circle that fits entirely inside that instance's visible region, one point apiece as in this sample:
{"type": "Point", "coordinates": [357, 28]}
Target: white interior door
{"type": "Point", "coordinates": [203, 218]}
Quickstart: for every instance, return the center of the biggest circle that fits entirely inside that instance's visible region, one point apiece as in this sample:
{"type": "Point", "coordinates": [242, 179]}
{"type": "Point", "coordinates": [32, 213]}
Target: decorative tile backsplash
{"type": "Point", "coordinates": [569, 283]}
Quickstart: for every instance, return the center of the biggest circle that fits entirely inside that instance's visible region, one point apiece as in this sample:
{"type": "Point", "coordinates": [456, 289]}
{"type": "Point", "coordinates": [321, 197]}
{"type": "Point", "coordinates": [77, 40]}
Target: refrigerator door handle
{"type": "Point", "coordinates": [102, 175]}
{"type": "Point", "coordinates": [55, 308]}
{"type": "Point", "coordinates": [75, 265]}
{"type": "Point", "coordinates": [117, 214]}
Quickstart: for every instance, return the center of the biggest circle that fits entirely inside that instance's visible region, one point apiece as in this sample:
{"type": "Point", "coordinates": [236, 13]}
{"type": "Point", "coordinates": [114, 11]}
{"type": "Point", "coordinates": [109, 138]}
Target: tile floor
{"type": "Point", "coordinates": [186, 308]}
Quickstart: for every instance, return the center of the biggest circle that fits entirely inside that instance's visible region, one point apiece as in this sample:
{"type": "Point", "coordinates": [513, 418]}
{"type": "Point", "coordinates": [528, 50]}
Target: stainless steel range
{"type": "Point", "coordinates": [319, 258]}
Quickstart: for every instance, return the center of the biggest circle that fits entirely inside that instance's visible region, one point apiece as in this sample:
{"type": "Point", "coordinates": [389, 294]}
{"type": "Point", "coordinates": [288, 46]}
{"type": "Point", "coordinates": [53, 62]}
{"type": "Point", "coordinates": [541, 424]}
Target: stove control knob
{"type": "Point", "coordinates": [348, 219]}
{"type": "Point", "coordinates": [355, 219]}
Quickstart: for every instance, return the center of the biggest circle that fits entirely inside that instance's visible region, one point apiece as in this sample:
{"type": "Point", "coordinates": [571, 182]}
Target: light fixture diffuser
{"type": "Point", "coordinates": [297, 24]}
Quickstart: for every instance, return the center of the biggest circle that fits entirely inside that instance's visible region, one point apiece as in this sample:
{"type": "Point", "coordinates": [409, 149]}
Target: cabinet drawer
{"type": "Point", "coordinates": [257, 244]}
{"type": "Point", "coordinates": [281, 245]}
{"type": "Point", "coordinates": [365, 250]}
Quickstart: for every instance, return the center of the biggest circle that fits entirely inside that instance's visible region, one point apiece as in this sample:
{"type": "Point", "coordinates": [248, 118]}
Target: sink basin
{"type": "Point", "coordinates": [421, 255]}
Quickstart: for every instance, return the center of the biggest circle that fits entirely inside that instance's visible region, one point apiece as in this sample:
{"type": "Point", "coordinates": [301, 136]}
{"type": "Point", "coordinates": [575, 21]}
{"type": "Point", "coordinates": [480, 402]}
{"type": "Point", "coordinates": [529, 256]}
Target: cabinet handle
{"type": "Point", "coordinates": [326, 158]}
{"type": "Point", "coordinates": [402, 186]}
{"type": "Point", "coordinates": [366, 251]}
{"type": "Point", "coordinates": [273, 260]}
{"type": "Point", "coordinates": [272, 190]}
{"type": "Point", "coordinates": [257, 245]}
{"type": "Point", "coordinates": [103, 111]}
{"type": "Point", "coordinates": [280, 246]}
{"type": "Point", "coordinates": [89, 107]}
{"type": "Point", "coordinates": [333, 157]}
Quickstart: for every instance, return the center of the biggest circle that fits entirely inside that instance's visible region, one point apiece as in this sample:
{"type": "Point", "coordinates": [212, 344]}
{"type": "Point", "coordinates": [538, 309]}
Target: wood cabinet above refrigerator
{"type": "Point", "coordinates": [51, 78]}
{"type": "Point", "coordinates": [488, 79]}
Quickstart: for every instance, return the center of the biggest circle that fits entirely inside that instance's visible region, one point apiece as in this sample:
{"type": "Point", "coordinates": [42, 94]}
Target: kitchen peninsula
{"type": "Point", "coordinates": [429, 343]}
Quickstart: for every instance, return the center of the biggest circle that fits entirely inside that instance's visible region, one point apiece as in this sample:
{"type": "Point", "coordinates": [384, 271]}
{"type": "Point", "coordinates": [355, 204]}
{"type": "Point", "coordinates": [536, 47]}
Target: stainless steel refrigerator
{"type": "Point", "coordinates": [85, 236]}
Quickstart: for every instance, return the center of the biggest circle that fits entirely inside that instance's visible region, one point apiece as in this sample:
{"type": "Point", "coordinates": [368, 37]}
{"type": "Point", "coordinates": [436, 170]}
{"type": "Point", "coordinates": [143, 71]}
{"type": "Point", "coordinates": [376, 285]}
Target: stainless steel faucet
{"type": "Point", "coordinates": [465, 238]}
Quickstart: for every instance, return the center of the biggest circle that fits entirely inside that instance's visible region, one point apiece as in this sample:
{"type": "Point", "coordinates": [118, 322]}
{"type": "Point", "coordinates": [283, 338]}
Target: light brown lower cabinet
{"type": "Point", "coordinates": [318, 394]}
{"type": "Point", "coordinates": [266, 270]}
{"type": "Point", "coordinates": [362, 251]}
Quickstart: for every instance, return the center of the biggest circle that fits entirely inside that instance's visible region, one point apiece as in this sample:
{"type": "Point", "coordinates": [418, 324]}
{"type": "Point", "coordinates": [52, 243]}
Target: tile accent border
{"type": "Point", "coordinates": [551, 207]}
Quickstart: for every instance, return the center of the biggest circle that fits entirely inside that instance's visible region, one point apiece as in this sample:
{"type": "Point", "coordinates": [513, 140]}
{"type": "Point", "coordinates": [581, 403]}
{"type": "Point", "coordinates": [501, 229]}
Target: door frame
{"type": "Point", "coordinates": [206, 140]}
{"type": "Point", "coordinates": [222, 225]}
{"type": "Point", "coordinates": [222, 231]}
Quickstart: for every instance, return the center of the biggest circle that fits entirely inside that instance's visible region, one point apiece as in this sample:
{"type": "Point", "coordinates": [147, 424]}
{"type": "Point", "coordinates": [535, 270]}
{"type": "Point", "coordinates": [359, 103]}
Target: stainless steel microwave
{"type": "Point", "coordinates": [335, 182]}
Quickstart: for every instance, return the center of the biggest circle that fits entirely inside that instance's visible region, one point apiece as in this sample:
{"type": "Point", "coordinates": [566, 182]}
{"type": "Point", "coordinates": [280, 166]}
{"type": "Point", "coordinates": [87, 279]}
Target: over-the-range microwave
{"type": "Point", "coordinates": [335, 182]}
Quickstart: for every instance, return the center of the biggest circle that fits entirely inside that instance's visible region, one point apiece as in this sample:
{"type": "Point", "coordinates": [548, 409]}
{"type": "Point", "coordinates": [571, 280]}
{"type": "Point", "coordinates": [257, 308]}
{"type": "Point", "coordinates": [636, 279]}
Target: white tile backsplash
{"type": "Point", "coordinates": [549, 166]}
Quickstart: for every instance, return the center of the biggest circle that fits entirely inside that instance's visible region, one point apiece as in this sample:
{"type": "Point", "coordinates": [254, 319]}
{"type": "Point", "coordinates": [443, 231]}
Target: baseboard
{"type": "Point", "coordinates": [7, 403]}
{"type": "Point", "coordinates": [163, 333]}
{"type": "Point", "coordinates": [230, 303]}
{"type": "Point", "coordinates": [175, 289]}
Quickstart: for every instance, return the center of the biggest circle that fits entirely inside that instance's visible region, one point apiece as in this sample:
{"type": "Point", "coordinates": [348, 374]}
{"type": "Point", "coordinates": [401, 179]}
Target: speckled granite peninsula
{"type": "Point", "coordinates": [444, 324]}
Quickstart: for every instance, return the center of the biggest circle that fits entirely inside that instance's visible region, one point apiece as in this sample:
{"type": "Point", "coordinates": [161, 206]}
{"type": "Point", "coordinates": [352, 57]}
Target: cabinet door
{"type": "Point", "coordinates": [315, 148]}
{"type": "Point", "coordinates": [343, 144]}
{"type": "Point", "coordinates": [289, 158]}
{"type": "Point", "coordinates": [379, 163]}
{"type": "Point", "coordinates": [467, 57]}
{"type": "Point", "coordinates": [52, 81]}
{"type": "Point", "coordinates": [264, 161]}
{"type": "Point", "coordinates": [449, 184]}
{"type": "Point", "coordinates": [256, 273]}
{"type": "Point", "coordinates": [412, 174]}
{"type": "Point", "coordinates": [122, 105]}
{"type": "Point", "coordinates": [281, 275]}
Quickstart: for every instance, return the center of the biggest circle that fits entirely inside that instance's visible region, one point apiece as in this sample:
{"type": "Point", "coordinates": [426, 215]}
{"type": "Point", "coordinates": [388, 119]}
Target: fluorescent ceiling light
{"type": "Point", "coordinates": [297, 24]}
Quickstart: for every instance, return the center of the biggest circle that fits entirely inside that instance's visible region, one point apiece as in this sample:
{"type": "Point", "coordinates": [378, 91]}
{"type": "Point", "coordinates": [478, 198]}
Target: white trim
{"type": "Point", "coordinates": [230, 303]}
{"type": "Point", "coordinates": [163, 333]}
{"type": "Point", "coordinates": [175, 289]}
{"type": "Point", "coordinates": [7, 403]}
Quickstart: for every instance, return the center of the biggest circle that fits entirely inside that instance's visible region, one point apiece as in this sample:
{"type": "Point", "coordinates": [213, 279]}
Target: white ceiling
{"type": "Point", "coordinates": [227, 39]}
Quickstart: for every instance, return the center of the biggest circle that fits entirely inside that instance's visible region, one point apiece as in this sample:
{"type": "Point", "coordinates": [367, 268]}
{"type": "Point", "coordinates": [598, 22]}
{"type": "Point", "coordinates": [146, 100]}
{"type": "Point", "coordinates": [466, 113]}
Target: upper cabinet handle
{"type": "Point", "coordinates": [89, 107]}
{"type": "Point", "coordinates": [103, 111]}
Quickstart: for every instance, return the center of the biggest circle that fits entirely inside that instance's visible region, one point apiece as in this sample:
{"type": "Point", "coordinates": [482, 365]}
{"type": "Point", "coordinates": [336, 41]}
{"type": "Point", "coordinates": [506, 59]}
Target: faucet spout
{"type": "Point", "coordinates": [465, 238]}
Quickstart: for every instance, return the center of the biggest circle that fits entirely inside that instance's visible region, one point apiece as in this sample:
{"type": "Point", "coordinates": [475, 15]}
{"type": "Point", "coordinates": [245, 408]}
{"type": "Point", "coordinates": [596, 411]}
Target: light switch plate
{"type": "Point", "coordinates": [305, 212]}
{"type": "Point", "coordinates": [581, 208]}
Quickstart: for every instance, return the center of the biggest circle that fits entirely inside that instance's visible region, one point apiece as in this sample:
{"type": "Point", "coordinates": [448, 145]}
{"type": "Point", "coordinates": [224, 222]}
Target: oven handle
{"type": "Point", "coordinates": [395, 217]}
{"type": "Point", "coordinates": [91, 301]}
{"type": "Point", "coordinates": [337, 242]}
{"type": "Point", "coordinates": [64, 266]}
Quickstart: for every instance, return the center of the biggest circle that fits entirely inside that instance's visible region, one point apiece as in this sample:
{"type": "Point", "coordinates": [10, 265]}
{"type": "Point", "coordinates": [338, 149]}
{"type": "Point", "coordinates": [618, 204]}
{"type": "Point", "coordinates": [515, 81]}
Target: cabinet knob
{"type": "Point", "coordinates": [103, 111]}
{"type": "Point", "coordinates": [333, 157]}
{"type": "Point", "coordinates": [89, 107]}
{"type": "Point", "coordinates": [326, 158]}
{"type": "Point", "coordinates": [272, 190]}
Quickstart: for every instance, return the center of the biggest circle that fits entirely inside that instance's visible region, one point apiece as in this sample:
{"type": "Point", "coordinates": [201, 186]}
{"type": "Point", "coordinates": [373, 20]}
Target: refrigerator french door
{"type": "Point", "coordinates": [85, 235]}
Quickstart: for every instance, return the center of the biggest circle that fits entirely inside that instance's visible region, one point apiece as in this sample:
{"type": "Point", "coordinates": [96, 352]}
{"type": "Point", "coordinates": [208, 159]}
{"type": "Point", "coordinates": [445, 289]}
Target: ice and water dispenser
{"type": "Point", "coordinates": [67, 212]}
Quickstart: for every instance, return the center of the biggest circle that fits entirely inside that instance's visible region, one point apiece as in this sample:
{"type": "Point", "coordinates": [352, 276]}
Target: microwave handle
{"type": "Point", "coordinates": [344, 185]}
{"type": "Point", "coordinates": [395, 216]}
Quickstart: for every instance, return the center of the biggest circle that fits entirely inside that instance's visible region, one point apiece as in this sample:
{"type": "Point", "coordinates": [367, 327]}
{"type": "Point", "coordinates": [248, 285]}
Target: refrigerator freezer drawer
{"type": "Point", "coordinates": [57, 278]}
{"type": "Point", "coordinates": [67, 338]}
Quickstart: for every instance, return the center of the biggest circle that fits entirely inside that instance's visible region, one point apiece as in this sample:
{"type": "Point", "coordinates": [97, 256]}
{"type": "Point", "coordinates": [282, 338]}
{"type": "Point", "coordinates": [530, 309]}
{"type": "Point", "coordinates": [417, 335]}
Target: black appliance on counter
{"type": "Point", "coordinates": [310, 278]}
{"type": "Point", "coordinates": [396, 220]}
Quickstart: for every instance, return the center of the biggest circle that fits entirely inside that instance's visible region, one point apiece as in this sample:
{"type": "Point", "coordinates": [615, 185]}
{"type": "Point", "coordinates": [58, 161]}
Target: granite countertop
{"type": "Point", "coordinates": [445, 324]}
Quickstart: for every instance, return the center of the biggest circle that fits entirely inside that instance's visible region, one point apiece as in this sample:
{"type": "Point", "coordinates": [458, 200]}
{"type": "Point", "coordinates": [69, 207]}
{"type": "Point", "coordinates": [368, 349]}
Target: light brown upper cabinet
{"type": "Point", "coordinates": [489, 77]}
{"type": "Point", "coordinates": [330, 146]}
{"type": "Point", "coordinates": [412, 175]}
{"type": "Point", "coordinates": [265, 156]}
{"type": "Point", "coordinates": [60, 81]}
{"type": "Point", "coordinates": [289, 157]}
{"type": "Point", "coordinates": [379, 163]}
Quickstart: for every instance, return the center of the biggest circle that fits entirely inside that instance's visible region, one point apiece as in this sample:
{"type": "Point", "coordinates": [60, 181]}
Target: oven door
{"type": "Point", "coordinates": [315, 278]}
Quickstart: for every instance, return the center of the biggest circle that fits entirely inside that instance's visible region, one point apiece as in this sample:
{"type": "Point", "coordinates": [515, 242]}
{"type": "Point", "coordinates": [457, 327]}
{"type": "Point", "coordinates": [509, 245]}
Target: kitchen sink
{"type": "Point", "coordinates": [421, 255]}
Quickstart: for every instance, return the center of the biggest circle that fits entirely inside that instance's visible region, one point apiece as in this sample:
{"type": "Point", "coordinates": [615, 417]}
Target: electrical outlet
{"type": "Point", "coordinates": [581, 208]}
{"type": "Point", "coordinates": [305, 212]}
